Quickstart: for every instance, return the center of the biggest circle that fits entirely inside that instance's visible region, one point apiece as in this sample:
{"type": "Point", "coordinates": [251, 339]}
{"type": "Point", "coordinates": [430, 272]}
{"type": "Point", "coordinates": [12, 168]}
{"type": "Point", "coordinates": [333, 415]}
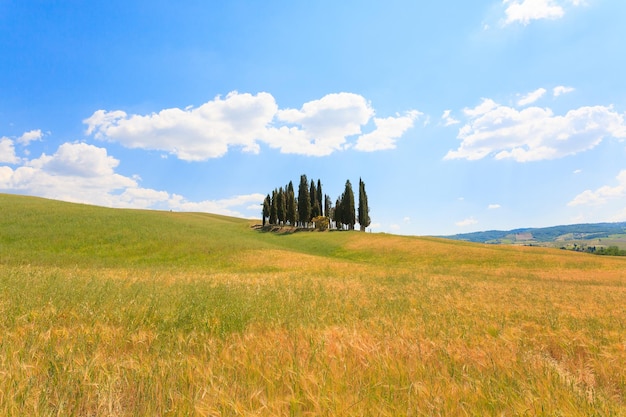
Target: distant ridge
{"type": "Point", "coordinates": [584, 231]}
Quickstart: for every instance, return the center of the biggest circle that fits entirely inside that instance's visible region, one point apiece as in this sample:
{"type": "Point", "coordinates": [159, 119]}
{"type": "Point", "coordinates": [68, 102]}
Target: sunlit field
{"type": "Point", "coordinates": [109, 312]}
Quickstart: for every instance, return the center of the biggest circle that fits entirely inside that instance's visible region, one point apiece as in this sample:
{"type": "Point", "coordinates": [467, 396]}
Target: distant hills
{"type": "Point", "coordinates": [588, 233]}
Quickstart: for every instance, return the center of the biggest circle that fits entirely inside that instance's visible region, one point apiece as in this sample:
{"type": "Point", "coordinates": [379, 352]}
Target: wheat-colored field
{"type": "Point", "coordinates": [129, 313]}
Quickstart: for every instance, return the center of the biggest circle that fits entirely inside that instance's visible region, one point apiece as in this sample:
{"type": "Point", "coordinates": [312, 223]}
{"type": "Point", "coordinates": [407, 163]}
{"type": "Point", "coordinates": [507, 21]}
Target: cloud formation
{"type": "Point", "coordinates": [318, 128]}
{"type": "Point", "coordinates": [83, 173]}
{"type": "Point", "coordinates": [467, 222]}
{"type": "Point", "coordinates": [534, 133]}
{"type": "Point", "coordinates": [30, 136]}
{"type": "Point", "coordinates": [603, 194]}
{"type": "Point", "coordinates": [447, 119]}
{"type": "Point", "coordinates": [387, 131]}
{"type": "Point", "coordinates": [525, 11]}
{"type": "Point", "coordinates": [561, 89]}
{"type": "Point", "coordinates": [531, 97]}
{"type": "Point", "coordinates": [7, 151]}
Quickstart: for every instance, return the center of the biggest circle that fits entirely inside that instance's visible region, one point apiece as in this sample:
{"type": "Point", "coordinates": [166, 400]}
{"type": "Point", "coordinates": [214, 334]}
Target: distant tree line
{"type": "Point", "coordinates": [312, 208]}
{"type": "Point", "coordinates": [608, 251]}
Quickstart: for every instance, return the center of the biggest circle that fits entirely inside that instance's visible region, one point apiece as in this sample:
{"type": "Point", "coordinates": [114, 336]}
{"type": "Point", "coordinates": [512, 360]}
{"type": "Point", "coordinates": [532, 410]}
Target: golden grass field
{"type": "Point", "coordinates": [109, 312]}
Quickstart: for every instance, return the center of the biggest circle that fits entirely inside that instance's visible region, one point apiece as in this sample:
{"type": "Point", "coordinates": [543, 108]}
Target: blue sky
{"type": "Point", "coordinates": [459, 116]}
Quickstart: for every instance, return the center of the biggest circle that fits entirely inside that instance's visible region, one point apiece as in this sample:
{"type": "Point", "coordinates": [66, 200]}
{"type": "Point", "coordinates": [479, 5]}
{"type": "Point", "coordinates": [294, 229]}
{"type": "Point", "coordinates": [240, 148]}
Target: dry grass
{"type": "Point", "coordinates": [319, 324]}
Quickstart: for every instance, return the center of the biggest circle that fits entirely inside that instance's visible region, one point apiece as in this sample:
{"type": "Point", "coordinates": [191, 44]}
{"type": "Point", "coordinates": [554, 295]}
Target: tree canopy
{"type": "Point", "coordinates": [282, 208]}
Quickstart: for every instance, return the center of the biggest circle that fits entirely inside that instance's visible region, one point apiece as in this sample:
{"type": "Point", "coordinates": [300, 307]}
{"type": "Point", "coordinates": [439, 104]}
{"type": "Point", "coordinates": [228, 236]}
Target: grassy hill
{"type": "Point", "coordinates": [586, 234]}
{"type": "Point", "coordinates": [129, 312]}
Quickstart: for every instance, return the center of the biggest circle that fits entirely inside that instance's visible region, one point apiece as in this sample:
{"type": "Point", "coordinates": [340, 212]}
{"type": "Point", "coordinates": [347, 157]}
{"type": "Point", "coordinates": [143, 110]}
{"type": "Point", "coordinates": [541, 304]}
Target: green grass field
{"type": "Point", "coordinates": [110, 312]}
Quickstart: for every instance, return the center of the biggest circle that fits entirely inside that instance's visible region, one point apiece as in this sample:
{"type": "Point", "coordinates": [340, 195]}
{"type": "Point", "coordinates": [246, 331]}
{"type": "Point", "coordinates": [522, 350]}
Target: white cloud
{"type": "Point", "coordinates": [528, 10]}
{"type": "Point", "coordinates": [525, 11]}
{"type": "Point", "coordinates": [534, 133]}
{"type": "Point", "coordinates": [30, 136]}
{"type": "Point", "coordinates": [318, 128]}
{"type": "Point", "coordinates": [603, 194]}
{"type": "Point", "coordinates": [532, 97]}
{"type": "Point", "coordinates": [447, 119]}
{"type": "Point", "coordinates": [77, 159]}
{"type": "Point", "coordinates": [560, 90]}
{"type": "Point", "coordinates": [7, 151]}
{"type": "Point", "coordinates": [467, 222]}
{"type": "Point", "coordinates": [386, 133]}
{"type": "Point", "coordinates": [194, 134]}
{"type": "Point", "coordinates": [494, 206]}
{"type": "Point", "coordinates": [83, 173]}
{"type": "Point", "coordinates": [578, 171]}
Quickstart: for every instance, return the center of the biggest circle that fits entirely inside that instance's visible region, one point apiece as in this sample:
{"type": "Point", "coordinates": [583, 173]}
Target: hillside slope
{"type": "Point", "coordinates": [134, 312]}
{"type": "Point", "coordinates": [566, 233]}
{"type": "Point", "coordinates": [52, 233]}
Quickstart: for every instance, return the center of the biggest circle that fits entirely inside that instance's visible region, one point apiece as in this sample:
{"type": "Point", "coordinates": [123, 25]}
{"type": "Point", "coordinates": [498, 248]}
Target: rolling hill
{"type": "Point", "coordinates": [588, 232]}
{"type": "Point", "coordinates": [133, 312]}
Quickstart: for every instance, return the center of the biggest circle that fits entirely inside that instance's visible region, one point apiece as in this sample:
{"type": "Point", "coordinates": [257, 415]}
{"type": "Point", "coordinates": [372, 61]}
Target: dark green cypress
{"type": "Point", "coordinates": [304, 202]}
{"type": "Point", "coordinates": [364, 210]}
{"type": "Point", "coordinates": [266, 208]}
{"type": "Point", "coordinates": [292, 209]}
{"type": "Point", "coordinates": [348, 211]}
{"type": "Point", "coordinates": [274, 208]}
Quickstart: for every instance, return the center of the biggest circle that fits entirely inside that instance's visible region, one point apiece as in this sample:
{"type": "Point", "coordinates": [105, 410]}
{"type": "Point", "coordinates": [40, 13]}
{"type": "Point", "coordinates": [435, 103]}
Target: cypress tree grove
{"type": "Point", "coordinates": [364, 211]}
{"type": "Point", "coordinates": [281, 207]}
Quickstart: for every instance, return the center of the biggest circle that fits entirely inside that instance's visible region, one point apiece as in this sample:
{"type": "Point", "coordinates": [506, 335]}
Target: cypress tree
{"type": "Point", "coordinates": [328, 203]}
{"type": "Point", "coordinates": [291, 208]}
{"type": "Point", "coordinates": [320, 197]}
{"type": "Point", "coordinates": [266, 208]}
{"type": "Point", "coordinates": [274, 208]}
{"type": "Point", "coordinates": [348, 214]}
{"type": "Point", "coordinates": [315, 208]}
{"type": "Point", "coordinates": [364, 210]}
{"type": "Point", "coordinates": [338, 214]}
{"type": "Point", "coordinates": [304, 201]}
{"type": "Point", "coordinates": [281, 206]}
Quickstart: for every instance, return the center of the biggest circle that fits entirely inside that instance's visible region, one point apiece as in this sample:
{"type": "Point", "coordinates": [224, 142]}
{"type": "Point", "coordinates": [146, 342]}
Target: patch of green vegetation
{"type": "Point", "coordinates": [45, 232]}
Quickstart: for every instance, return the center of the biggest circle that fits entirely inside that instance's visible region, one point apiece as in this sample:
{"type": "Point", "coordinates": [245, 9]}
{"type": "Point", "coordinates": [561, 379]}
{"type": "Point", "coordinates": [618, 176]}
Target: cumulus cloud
{"type": "Point", "coordinates": [531, 97]}
{"type": "Point", "coordinates": [447, 119]}
{"type": "Point", "coordinates": [77, 159]}
{"type": "Point", "coordinates": [534, 133]}
{"type": "Point", "coordinates": [29, 137]}
{"type": "Point", "coordinates": [467, 222]}
{"type": "Point", "coordinates": [318, 128]}
{"type": "Point", "coordinates": [191, 134]}
{"type": "Point", "coordinates": [494, 206]}
{"type": "Point", "coordinates": [603, 194]}
{"type": "Point", "coordinates": [561, 89]}
{"type": "Point", "coordinates": [84, 173]}
{"type": "Point", "coordinates": [387, 131]}
{"type": "Point", "coordinates": [7, 151]}
{"type": "Point", "coordinates": [527, 10]}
